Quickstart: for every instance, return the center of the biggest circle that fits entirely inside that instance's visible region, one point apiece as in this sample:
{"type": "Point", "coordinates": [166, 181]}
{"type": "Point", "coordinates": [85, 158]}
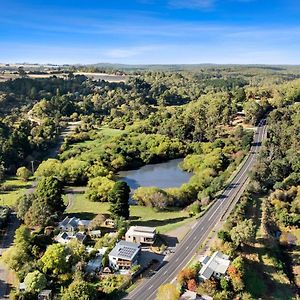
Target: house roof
{"type": "Point", "coordinates": [45, 293]}
{"type": "Point", "coordinates": [141, 231]}
{"type": "Point", "coordinates": [95, 232]}
{"type": "Point", "coordinates": [65, 237]}
{"type": "Point", "coordinates": [94, 264]}
{"type": "Point", "coordinates": [217, 263]}
{"type": "Point", "coordinates": [189, 295]}
{"type": "Point", "coordinates": [125, 250]}
{"type": "Point", "coordinates": [74, 222]}
{"type": "Point", "coordinates": [80, 236]}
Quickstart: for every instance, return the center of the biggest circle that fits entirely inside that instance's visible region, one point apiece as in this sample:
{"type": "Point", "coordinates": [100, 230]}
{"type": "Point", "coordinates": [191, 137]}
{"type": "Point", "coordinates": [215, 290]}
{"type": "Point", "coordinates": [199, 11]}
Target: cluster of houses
{"type": "Point", "coordinates": [122, 257]}
{"type": "Point", "coordinates": [126, 253]}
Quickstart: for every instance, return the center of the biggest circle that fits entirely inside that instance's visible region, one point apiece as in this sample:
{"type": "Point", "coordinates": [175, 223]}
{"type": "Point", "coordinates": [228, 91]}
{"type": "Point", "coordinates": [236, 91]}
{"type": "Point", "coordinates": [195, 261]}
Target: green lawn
{"type": "Point", "coordinates": [140, 215]}
{"type": "Point", "coordinates": [110, 131]}
{"type": "Point", "coordinates": [14, 189]}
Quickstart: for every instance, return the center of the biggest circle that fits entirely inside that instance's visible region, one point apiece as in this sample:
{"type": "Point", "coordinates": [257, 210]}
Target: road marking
{"type": "Point", "coordinates": [194, 225]}
{"type": "Point", "coordinates": [150, 287]}
{"type": "Point", "coordinates": [187, 247]}
{"type": "Point", "coordinates": [223, 205]}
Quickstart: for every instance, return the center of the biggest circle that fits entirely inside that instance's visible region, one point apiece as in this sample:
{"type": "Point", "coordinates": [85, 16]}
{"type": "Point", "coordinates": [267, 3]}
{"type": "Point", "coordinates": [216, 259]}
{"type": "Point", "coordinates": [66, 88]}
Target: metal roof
{"type": "Point", "coordinates": [125, 250]}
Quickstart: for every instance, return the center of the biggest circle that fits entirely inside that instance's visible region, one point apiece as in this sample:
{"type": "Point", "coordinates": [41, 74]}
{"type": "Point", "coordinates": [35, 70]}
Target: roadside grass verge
{"type": "Point", "coordinates": [139, 215]}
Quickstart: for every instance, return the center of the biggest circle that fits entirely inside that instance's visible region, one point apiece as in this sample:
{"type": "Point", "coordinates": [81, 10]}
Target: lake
{"type": "Point", "coordinates": [162, 175]}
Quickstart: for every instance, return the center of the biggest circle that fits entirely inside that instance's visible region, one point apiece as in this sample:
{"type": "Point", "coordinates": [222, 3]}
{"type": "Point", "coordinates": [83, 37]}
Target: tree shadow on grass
{"type": "Point", "coordinates": [157, 223]}
{"type": "Point", "coordinates": [13, 187]}
{"type": "Point", "coordinates": [83, 215]}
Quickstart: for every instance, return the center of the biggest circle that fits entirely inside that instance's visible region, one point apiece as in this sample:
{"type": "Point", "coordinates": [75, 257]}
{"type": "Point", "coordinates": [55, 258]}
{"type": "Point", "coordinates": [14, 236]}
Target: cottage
{"type": "Point", "coordinates": [45, 295]}
{"type": "Point", "coordinates": [141, 234]}
{"type": "Point", "coordinates": [215, 266]}
{"type": "Point", "coordinates": [124, 255]}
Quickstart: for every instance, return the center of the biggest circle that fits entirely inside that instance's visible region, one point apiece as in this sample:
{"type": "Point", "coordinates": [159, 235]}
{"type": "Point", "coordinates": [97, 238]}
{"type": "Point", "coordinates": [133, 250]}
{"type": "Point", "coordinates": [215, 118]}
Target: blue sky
{"type": "Point", "coordinates": [150, 31]}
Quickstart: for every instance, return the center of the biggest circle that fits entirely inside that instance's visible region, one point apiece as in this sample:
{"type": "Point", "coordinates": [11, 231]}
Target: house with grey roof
{"type": "Point", "coordinates": [141, 234]}
{"type": "Point", "coordinates": [65, 237]}
{"type": "Point", "coordinates": [214, 266]}
{"type": "Point", "coordinates": [124, 255]}
{"type": "Point", "coordinates": [72, 224]}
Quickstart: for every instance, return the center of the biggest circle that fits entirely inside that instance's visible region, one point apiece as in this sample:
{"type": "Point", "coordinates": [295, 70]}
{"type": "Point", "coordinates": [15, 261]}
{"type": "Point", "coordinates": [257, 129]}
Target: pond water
{"type": "Point", "coordinates": [162, 175]}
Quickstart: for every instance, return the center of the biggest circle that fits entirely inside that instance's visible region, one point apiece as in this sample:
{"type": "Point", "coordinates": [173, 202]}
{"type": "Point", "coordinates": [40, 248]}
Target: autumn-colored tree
{"type": "Point", "coordinates": [207, 287]}
{"type": "Point", "coordinates": [192, 285]}
{"type": "Point", "coordinates": [185, 275]}
{"type": "Point", "coordinates": [167, 292]}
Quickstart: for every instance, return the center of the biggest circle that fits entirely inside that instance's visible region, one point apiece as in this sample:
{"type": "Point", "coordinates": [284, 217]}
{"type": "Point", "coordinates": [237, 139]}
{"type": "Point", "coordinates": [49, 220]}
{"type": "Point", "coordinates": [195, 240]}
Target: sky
{"type": "Point", "coordinates": [150, 31]}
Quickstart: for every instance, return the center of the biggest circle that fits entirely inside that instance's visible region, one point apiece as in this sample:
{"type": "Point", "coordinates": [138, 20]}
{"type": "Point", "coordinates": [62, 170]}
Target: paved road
{"type": "Point", "coordinates": [6, 242]}
{"type": "Point", "coordinates": [188, 247]}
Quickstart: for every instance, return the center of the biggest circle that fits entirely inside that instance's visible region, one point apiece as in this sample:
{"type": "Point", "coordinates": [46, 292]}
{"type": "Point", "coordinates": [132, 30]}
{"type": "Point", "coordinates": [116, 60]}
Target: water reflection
{"type": "Point", "coordinates": [162, 175]}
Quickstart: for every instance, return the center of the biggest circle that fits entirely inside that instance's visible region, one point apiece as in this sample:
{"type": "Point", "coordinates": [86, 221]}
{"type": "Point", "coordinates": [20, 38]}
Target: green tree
{"type": "Point", "coordinates": [23, 173]}
{"type": "Point", "coordinates": [23, 204]}
{"type": "Point", "coordinates": [167, 292]}
{"type": "Point", "coordinates": [243, 232]}
{"type": "Point", "coordinates": [79, 290]}
{"type": "Point", "coordinates": [49, 167]}
{"type": "Point", "coordinates": [35, 282]}
{"type": "Point", "coordinates": [39, 213]}
{"type": "Point", "coordinates": [74, 171]}
{"type": "Point", "coordinates": [54, 260]}
{"type": "Point", "coordinates": [99, 188]}
{"type": "Point", "coordinates": [20, 252]}
{"type": "Point", "coordinates": [118, 198]}
{"type": "Point", "coordinates": [49, 189]}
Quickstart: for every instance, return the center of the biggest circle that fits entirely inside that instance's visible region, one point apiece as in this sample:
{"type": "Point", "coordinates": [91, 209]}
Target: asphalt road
{"type": "Point", "coordinates": [187, 248]}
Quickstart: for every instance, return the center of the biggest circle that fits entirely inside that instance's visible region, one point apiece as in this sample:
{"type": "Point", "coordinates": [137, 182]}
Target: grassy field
{"type": "Point", "coordinates": [140, 215]}
{"type": "Point", "coordinates": [14, 188]}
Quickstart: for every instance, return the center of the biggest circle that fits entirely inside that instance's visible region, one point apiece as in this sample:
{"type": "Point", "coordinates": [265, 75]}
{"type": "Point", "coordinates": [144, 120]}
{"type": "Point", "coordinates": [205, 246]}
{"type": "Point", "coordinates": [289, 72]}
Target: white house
{"type": "Point", "coordinates": [124, 255]}
{"type": "Point", "coordinates": [72, 224]}
{"type": "Point", "coordinates": [215, 265]}
{"type": "Point", "coordinates": [141, 234]}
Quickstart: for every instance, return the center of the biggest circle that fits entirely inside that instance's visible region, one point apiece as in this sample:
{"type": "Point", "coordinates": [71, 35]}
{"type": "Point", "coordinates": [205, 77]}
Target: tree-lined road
{"type": "Point", "coordinates": [201, 230]}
